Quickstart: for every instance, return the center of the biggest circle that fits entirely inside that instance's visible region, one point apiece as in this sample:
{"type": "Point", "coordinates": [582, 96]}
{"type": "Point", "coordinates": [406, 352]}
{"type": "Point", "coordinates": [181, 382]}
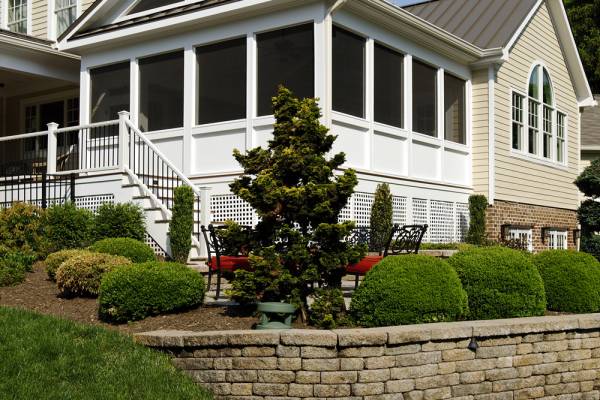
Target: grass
{"type": "Point", "coordinates": [47, 358]}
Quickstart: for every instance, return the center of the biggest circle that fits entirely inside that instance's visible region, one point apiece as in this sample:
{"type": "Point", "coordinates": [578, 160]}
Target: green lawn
{"type": "Point", "coordinates": [47, 358]}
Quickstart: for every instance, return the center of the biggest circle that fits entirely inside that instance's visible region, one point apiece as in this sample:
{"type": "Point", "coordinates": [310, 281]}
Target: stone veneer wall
{"type": "Point", "coordinates": [510, 213]}
{"type": "Point", "coordinates": [542, 357]}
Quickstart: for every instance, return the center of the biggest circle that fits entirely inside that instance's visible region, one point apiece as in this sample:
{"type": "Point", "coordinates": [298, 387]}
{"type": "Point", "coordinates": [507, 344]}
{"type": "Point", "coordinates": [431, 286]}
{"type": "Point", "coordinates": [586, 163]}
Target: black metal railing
{"type": "Point", "coordinates": [92, 147]}
{"type": "Point", "coordinates": [43, 190]}
{"type": "Point", "coordinates": [158, 175]}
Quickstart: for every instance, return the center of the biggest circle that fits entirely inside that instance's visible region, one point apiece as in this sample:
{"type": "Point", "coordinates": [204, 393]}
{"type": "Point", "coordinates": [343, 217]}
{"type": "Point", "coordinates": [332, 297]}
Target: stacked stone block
{"type": "Point", "coordinates": [546, 357]}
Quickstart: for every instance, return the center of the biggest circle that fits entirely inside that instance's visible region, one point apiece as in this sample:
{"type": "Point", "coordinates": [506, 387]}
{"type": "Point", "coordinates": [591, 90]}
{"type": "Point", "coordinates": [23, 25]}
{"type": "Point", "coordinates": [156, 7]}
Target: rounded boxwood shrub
{"type": "Point", "coordinates": [68, 227]}
{"type": "Point", "coordinates": [54, 260]}
{"type": "Point", "coordinates": [500, 283]}
{"type": "Point", "coordinates": [120, 220]}
{"type": "Point", "coordinates": [134, 250]}
{"type": "Point", "coordinates": [80, 275]}
{"type": "Point", "coordinates": [408, 290]}
{"type": "Point", "coordinates": [571, 279]}
{"type": "Point", "coordinates": [141, 290]}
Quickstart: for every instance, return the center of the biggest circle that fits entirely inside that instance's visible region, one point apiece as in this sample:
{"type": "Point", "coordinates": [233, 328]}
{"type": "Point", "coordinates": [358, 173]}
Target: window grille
{"type": "Point", "coordinates": [17, 16]}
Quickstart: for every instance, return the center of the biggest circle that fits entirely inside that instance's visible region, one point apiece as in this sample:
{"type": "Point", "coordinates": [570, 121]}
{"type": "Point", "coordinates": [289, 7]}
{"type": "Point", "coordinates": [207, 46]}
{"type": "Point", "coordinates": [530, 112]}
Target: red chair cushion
{"type": "Point", "coordinates": [364, 265]}
{"type": "Point", "coordinates": [230, 263]}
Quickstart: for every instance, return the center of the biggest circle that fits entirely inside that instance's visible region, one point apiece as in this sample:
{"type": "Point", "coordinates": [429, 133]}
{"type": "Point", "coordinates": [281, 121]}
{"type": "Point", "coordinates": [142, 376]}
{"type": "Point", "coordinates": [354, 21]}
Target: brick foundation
{"type": "Point", "coordinates": [537, 217]}
{"type": "Point", "coordinates": [554, 357]}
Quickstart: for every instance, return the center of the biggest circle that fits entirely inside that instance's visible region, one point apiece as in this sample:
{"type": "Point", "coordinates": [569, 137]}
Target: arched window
{"type": "Point", "coordinates": [544, 125]}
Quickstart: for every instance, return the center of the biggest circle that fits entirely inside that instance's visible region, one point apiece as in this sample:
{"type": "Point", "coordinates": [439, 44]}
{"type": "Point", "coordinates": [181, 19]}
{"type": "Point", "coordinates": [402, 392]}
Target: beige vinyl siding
{"type": "Point", "coordinates": [480, 131]}
{"type": "Point", "coordinates": [518, 179]}
{"type": "Point", "coordinates": [39, 18]}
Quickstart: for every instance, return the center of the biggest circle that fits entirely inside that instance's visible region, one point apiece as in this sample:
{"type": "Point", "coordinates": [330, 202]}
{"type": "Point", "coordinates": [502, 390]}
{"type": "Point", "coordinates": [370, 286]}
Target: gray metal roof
{"type": "Point", "coordinates": [590, 125]}
{"type": "Point", "coordinates": [487, 24]}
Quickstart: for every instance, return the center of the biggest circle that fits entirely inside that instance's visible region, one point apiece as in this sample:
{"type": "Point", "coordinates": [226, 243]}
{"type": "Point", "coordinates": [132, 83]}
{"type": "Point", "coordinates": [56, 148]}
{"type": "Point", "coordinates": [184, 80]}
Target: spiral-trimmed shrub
{"type": "Point", "coordinates": [571, 279]}
{"type": "Point", "coordinates": [408, 290]}
{"type": "Point", "coordinates": [500, 282]}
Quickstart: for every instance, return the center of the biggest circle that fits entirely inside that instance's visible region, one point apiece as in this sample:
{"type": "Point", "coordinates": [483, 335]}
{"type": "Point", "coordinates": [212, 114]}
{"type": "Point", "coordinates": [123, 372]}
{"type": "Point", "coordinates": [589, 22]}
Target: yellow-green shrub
{"type": "Point", "coordinates": [54, 260]}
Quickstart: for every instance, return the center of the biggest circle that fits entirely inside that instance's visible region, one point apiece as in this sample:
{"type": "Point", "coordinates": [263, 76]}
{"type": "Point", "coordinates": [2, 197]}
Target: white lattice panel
{"type": "Point", "coordinates": [399, 210]}
{"type": "Point", "coordinates": [462, 221]}
{"type": "Point", "coordinates": [363, 202]}
{"type": "Point", "coordinates": [229, 207]}
{"type": "Point", "coordinates": [92, 203]}
{"type": "Point", "coordinates": [346, 212]}
{"type": "Point", "coordinates": [420, 214]}
{"type": "Point", "coordinates": [441, 221]}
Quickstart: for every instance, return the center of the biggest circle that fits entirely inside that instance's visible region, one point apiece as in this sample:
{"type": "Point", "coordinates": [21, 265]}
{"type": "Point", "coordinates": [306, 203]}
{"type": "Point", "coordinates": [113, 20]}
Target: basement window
{"type": "Point", "coordinates": [109, 92]}
{"type": "Point", "coordinates": [523, 234]}
{"type": "Point", "coordinates": [221, 81]}
{"type": "Point", "coordinates": [161, 92]}
{"type": "Point", "coordinates": [285, 57]}
{"type": "Point", "coordinates": [555, 238]}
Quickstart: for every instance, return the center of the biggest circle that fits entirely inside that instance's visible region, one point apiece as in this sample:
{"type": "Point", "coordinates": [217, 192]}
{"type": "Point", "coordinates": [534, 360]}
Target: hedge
{"type": "Point", "coordinates": [409, 289]}
{"type": "Point", "coordinates": [571, 279]}
{"type": "Point", "coordinates": [500, 283]}
{"type": "Point", "coordinates": [132, 249]}
{"type": "Point", "coordinates": [141, 290]}
{"type": "Point", "coordinates": [80, 275]}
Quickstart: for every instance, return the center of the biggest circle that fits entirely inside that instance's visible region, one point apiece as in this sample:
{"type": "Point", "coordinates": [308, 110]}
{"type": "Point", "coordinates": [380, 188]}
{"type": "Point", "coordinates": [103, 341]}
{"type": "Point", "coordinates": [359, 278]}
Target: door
{"type": "Point", "coordinates": [37, 120]}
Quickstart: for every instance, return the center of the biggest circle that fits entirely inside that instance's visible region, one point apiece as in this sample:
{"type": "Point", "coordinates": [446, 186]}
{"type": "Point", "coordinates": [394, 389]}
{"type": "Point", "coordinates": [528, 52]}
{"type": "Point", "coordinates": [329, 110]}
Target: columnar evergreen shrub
{"type": "Point", "coordinates": [292, 186]}
{"type": "Point", "coordinates": [500, 283]}
{"type": "Point", "coordinates": [408, 290]}
{"type": "Point", "coordinates": [477, 210]}
{"type": "Point", "coordinates": [54, 260]}
{"type": "Point", "coordinates": [137, 291]}
{"type": "Point", "coordinates": [132, 249]}
{"type": "Point", "coordinates": [571, 280]}
{"type": "Point", "coordinates": [181, 226]}
{"type": "Point", "coordinates": [381, 217]}
{"type": "Point", "coordinates": [22, 227]}
{"type": "Point", "coordinates": [81, 275]}
{"type": "Point", "coordinates": [68, 227]}
{"type": "Point", "coordinates": [588, 213]}
{"type": "Point", "coordinates": [120, 220]}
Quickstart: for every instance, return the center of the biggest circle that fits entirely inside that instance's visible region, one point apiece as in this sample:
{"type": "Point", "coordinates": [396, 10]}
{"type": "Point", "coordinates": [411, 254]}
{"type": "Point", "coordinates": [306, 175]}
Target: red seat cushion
{"type": "Point", "coordinates": [230, 263]}
{"type": "Point", "coordinates": [364, 265]}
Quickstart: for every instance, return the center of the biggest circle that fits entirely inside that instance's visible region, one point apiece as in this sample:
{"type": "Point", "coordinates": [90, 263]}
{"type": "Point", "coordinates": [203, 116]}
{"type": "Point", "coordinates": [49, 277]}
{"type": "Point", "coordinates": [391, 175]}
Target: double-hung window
{"type": "Point", "coordinates": [65, 12]}
{"type": "Point", "coordinates": [17, 16]}
{"type": "Point", "coordinates": [545, 126]}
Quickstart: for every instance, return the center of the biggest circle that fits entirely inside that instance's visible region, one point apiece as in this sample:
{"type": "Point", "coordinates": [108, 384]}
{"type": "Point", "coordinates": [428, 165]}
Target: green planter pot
{"type": "Point", "coordinates": [275, 315]}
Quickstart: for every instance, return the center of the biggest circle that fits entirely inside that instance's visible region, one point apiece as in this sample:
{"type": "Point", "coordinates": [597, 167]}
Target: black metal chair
{"type": "Point", "coordinates": [217, 261]}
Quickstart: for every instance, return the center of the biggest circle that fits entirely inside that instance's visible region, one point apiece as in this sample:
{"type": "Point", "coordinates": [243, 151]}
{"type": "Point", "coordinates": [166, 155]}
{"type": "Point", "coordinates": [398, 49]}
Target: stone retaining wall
{"type": "Point", "coordinates": [545, 357]}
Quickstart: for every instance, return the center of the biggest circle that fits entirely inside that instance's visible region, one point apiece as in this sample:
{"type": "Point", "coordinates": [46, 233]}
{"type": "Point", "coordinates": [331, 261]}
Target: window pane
{"type": "Point", "coordinates": [285, 57]}
{"type": "Point", "coordinates": [348, 73]}
{"type": "Point", "coordinates": [547, 88]}
{"type": "Point", "coordinates": [424, 99]}
{"type": "Point", "coordinates": [517, 121]}
{"type": "Point", "coordinates": [145, 5]}
{"type": "Point", "coordinates": [161, 92]}
{"type": "Point", "coordinates": [534, 85]}
{"type": "Point", "coordinates": [454, 109]}
{"type": "Point", "coordinates": [221, 81]}
{"type": "Point", "coordinates": [533, 126]}
{"type": "Point", "coordinates": [110, 91]}
{"type": "Point", "coordinates": [547, 148]}
{"type": "Point", "coordinates": [389, 86]}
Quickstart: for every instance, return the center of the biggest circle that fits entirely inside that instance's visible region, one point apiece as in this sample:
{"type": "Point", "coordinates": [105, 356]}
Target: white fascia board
{"type": "Point", "coordinates": [29, 61]}
{"type": "Point", "coordinates": [229, 10]}
{"type": "Point", "coordinates": [24, 44]}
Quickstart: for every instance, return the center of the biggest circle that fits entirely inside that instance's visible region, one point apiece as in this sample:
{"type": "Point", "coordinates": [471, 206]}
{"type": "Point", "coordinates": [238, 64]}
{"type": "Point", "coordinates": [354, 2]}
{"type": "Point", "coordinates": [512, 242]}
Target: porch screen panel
{"type": "Point", "coordinates": [454, 109]}
{"type": "Point", "coordinates": [285, 57]}
{"type": "Point", "coordinates": [109, 91]}
{"type": "Point", "coordinates": [161, 92]}
{"type": "Point", "coordinates": [389, 86]}
{"type": "Point", "coordinates": [348, 73]}
{"type": "Point", "coordinates": [424, 98]}
{"type": "Point", "coordinates": [221, 81]}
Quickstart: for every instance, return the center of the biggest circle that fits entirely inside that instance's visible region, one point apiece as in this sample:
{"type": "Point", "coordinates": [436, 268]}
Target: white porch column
{"type": "Point", "coordinates": [123, 139]}
{"type": "Point", "coordinates": [204, 214]}
{"type": "Point", "coordinates": [51, 152]}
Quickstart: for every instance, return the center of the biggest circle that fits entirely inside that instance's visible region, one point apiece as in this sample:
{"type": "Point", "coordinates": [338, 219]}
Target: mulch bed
{"type": "Point", "coordinates": [38, 293]}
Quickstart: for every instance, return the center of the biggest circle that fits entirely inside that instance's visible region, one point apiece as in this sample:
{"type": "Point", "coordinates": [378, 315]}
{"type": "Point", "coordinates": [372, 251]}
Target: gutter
{"type": "Point", "coordinates": [34, 46]}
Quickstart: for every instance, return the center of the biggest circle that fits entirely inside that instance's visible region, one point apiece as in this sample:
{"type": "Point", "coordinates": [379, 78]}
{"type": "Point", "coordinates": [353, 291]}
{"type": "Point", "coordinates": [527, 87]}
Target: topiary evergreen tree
{"type": "Point", "coordinates": [181, 225]}
{"type": "Point", "coordinates": [293, 187]}
{"type": "Point", "coordinates": [381, 217]}
{"type": "Point", "coordinates": [477, 207]}
{"type": "Point", "coordinates": [589, 211]}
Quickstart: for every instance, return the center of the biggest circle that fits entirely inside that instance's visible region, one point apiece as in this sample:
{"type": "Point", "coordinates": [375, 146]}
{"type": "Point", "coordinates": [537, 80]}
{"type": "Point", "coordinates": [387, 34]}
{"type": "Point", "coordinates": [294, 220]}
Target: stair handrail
{"type": "Point", "coordinates": [176, 170]}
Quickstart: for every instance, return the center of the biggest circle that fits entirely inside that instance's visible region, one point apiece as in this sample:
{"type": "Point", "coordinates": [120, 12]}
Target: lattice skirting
{"type": "Point", "coordinates": [448, 221]}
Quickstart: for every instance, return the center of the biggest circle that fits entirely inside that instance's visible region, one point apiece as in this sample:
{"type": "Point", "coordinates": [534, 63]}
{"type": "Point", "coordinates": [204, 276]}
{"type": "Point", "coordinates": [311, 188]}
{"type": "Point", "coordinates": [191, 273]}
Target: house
{"type": "Point", "coordinates": [590, 134]}
{"type": "Point", "coordinates": [441, 100]}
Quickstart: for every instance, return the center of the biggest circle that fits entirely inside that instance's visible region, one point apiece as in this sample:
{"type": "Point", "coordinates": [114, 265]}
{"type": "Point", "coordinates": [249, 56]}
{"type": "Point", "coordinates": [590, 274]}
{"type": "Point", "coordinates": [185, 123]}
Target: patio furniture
{"type": "Point", "coordinates": [402, 240]}
{"type": "Point", "coordinates": [217, 261]}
